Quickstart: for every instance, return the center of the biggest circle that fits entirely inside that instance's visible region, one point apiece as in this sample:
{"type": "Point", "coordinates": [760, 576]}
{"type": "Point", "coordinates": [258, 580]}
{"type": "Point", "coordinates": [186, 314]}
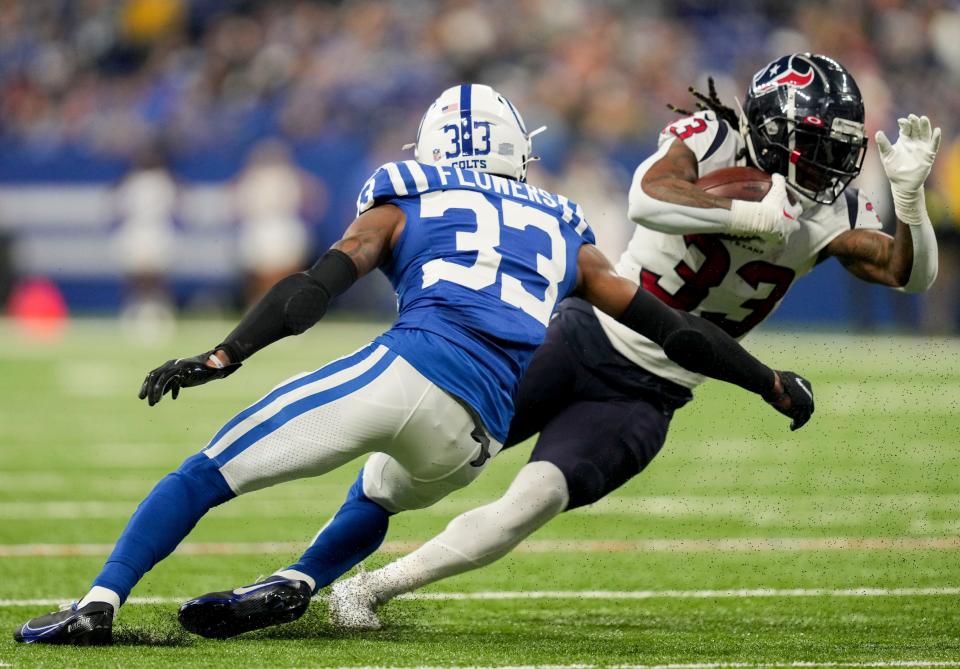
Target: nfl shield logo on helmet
{"type": "Point", "coordinates": [786, 71]}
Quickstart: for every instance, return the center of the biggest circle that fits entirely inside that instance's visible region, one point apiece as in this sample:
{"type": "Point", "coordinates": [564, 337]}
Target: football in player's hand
{"type": "Point", "coordinates": [736, 183]}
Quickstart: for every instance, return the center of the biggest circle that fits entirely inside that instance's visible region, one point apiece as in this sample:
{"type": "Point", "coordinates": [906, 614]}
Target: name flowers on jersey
{"type": "Point", "coordinates": [410, 178]}
{"type": "Point", "coordinates": [478, 269]}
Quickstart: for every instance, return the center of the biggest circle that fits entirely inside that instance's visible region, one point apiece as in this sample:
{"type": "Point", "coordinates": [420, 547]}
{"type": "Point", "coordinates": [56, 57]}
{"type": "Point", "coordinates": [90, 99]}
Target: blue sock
{"type": "Point", "coordinates": [354, 533]}
{"type": "Point", "coordinates": [162, 520]}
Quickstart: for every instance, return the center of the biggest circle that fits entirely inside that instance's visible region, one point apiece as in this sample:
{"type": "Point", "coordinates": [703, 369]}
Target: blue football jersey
{"type": "Point", "coordinates": [478, 269]}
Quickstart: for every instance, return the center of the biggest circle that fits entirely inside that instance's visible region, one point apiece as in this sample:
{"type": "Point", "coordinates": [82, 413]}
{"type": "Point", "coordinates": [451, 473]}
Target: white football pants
{"type": "Point", "coordinates": [425, 443]}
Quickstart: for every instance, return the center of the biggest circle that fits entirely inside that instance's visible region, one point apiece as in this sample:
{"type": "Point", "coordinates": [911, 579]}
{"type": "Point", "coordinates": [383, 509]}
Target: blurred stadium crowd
{"type": "Point", "coordinates": [292, 103]}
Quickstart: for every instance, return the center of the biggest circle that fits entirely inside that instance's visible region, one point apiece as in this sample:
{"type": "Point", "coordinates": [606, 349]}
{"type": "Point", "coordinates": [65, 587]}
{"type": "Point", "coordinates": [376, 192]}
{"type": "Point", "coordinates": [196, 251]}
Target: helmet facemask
{"type": "Point", "coordinates": [818, 162]}
{"type": "Point", "coordinates": [826, 161]}
{"type": "Point", "coordinates": [811, 132]}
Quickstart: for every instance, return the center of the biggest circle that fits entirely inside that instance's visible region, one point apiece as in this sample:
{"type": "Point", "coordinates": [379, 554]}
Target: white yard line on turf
{"type": "Point", "coordinates": [736, 545]}
{"type": "Point", "coordinates": [594, 594]}
{"type": "Point", "coordinates": [686, 594]}
{"type": "Point", "coordinates": [699, 665]}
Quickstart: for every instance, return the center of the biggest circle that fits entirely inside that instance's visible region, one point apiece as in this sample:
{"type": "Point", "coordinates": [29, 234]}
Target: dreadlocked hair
{"type": "Point", "coordinates": [709, 102]}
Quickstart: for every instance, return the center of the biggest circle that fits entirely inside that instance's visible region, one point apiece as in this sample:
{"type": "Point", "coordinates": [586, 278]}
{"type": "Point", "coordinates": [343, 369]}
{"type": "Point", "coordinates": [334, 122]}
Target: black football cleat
{"type": "Point", "coordinates": [90, 626]}
{"type": "Point", "coordinates": [221, 615]}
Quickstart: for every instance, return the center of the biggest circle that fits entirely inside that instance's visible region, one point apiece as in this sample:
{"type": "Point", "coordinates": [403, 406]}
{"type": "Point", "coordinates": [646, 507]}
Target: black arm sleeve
{"type": "Point", "coordinates": [697, 344]}
{"type": "Point", "coordinates": [293, 305]}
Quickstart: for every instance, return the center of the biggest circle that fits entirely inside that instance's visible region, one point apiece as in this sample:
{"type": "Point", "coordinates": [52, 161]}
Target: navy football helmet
{"type": "Point", "coordinates": [803, 118]}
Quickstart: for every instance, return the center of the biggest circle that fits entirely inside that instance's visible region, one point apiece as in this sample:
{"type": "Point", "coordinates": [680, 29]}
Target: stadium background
{"type": "Point", "coordinates": [94, 90]}
{"type": "Point", "coordinates": [162, 159]}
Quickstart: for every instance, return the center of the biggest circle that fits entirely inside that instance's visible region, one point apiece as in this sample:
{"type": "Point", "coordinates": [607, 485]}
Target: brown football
{"type": "Point", "coordinates": [736, 183]}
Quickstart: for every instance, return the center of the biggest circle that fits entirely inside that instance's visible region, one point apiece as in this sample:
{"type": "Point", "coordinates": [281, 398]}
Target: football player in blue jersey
{"type": "Point", "coordinates": [479, 259]}
{"type": "Point", "coordinates": [602, 396]}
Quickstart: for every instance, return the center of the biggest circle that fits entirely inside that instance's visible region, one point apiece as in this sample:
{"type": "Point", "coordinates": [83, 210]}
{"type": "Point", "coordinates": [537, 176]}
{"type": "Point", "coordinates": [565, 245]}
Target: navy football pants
{"type": "Point", "coordinates": [601, 418]}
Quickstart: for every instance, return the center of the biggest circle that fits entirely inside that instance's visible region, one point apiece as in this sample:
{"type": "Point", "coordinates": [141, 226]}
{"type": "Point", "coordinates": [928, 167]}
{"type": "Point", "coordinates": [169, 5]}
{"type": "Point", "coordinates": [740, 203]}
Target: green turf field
{"type": "Point", "coordinates": [743, 544]}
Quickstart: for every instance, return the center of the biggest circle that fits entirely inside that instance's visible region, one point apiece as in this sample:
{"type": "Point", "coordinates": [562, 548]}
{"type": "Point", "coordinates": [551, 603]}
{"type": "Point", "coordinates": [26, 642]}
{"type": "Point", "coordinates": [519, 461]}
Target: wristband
{"type": "Point", "coordinates": [911, 208]}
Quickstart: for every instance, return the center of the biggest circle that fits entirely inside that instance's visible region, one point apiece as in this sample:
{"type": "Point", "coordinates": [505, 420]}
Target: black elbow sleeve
{"type": "Point", "coordinates": [697, 344]}
{"type": "Point", "coordinates": [702, 347]}
{"type": "Point", "coordinates": [306, 304]}
{"type": "Point", "coordinates": [335, 272]}
{"type": "Point", "coordinates": [292, 306]}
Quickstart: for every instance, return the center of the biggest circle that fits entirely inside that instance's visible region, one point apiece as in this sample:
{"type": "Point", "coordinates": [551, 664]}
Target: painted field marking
{"type": "Point", "coordinates": [724, 545]}
{"type": "Point", "coordinates": [699, 665]}
{"type": "Point", "coordinates": [945, 591]}
{"type": "Point", "coordinates": [767, 511]}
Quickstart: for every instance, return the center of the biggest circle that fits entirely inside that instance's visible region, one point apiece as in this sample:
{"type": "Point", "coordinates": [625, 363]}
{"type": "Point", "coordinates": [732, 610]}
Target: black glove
{"type": "Point", "coordinates": [796, 400]}
{"type": "Point", "coordinates": [173, 375]}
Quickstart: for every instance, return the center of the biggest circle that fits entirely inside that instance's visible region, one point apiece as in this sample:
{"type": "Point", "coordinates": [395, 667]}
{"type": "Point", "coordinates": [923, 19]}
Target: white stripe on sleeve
{"type": "Point", "coordinates": [395, 179]}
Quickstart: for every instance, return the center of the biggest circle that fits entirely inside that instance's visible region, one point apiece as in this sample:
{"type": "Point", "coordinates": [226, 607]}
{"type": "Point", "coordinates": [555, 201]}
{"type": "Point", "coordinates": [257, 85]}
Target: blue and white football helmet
{"type": "Point", "coordinates": [472, 126]}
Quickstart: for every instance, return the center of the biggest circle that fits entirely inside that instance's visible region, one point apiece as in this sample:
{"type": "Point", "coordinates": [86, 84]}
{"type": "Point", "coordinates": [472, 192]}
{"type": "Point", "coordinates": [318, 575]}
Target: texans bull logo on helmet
{"type": "Point", "coordinates": [786, 71]}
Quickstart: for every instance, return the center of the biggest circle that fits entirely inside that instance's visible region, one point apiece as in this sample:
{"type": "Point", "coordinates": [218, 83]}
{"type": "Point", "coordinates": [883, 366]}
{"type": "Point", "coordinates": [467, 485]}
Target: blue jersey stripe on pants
{"type": "Point", "coordinates": [322, 373]}
{"type": "Point", "coordinates": [295, 409]}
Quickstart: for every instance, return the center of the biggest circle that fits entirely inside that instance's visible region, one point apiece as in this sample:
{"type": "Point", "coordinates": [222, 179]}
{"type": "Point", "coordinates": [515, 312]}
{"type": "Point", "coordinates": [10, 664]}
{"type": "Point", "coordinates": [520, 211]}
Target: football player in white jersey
{"type": "Point", "coordinates": [479, 258]}
{"type": "Point", "coordinates": [601, 396]}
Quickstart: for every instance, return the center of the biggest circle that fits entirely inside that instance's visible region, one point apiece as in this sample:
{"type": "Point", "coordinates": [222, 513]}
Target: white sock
{"type": "Point", "coordinates": [480, 536]}
{"type": "Point", "coordinates": [431, 562]}
{"type": "Point", "coordinates": [99, 594]}
{"type": "Point", "coordinates": [295, 575]}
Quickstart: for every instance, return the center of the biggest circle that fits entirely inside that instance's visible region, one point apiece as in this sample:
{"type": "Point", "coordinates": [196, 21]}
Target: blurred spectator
{"type": "Point", "coordinates": [270, 195]}
{"type": "Point", "coordinates": [590, 181]}
{"type": "Point", "coordinates": [108, 74]}
{"type": "Point", "coordinates": [942, 312]}
{"type": "Point", "coordinates": [209, 79]}
{"type": "Point", "coordinates": [6, 267]}
{"type": "Point", "coordinates": [146, 200]}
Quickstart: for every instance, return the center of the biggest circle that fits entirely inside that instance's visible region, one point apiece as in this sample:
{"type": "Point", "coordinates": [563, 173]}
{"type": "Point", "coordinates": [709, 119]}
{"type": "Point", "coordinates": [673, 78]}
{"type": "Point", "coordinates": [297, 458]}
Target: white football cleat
{"type": "Point", "coordinates": [353, 606]}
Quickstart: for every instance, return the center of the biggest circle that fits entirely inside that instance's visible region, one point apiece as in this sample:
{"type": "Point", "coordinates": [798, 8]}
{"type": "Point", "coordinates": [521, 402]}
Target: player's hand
{"type": "Point", "coordinates": [908, 162]}
{"type": "Point", "coordinates": [774, 217]}
{"type": "Point", "coordinates": [796, 399]}
{"type": "Point", "coordinates": [782, 214]}
{"type": "Point", "coordinates": [173, 375]}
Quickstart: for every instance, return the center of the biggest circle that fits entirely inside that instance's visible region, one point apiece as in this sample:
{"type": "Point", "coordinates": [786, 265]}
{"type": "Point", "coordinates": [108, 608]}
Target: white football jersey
{"type": "Point", "coordinates": [735, 282]}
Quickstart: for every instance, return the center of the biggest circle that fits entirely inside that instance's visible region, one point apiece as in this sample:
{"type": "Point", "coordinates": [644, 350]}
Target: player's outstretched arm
{"type": "Point", "coordinates": [664, 196]}
{"type": "Point", "coordinates": [292, 306]}
{"type": "Point", "coordinates": [877, 257]}
{"type": "Point", "coordinates": [908, 260]}
{"type": "Point", "coordinates": [691, 342]}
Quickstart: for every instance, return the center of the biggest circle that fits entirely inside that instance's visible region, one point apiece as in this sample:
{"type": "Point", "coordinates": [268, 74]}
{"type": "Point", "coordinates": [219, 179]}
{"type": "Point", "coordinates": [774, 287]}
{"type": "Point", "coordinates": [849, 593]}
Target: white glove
{"type": "Point", "coordinates": [908, 163]}
{"type": "Point", "coordinates": [773, 217]}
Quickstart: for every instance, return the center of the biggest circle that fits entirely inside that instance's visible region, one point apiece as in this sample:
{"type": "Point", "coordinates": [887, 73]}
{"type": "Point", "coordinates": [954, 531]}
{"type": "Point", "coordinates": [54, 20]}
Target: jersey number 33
{"type": "Point", "coordinates": [485, 241]}
{"type": "Point", "coordinates": [698, 282]}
